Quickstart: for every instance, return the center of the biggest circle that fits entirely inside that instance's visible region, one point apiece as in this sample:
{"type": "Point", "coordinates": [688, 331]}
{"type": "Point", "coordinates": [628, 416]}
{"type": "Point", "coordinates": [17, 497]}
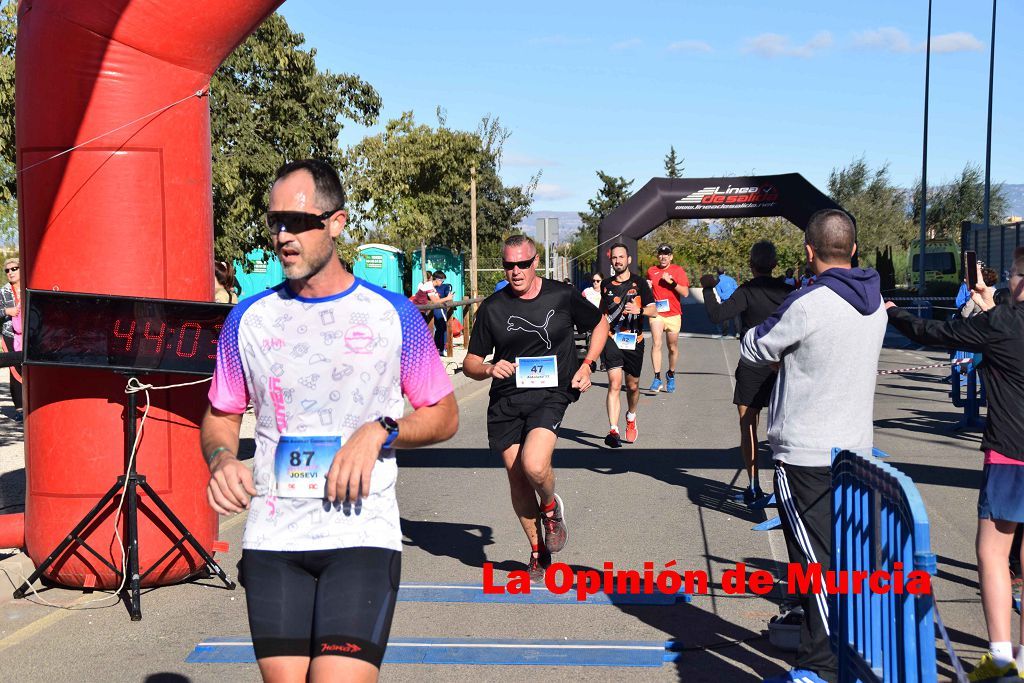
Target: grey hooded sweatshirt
{"type": "Point", "coordinates": [826, 338]}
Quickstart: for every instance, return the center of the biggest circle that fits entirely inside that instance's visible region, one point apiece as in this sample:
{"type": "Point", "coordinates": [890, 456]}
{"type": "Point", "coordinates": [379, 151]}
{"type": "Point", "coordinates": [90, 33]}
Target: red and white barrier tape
{"type": "Point", "coordinates": [948, 364]}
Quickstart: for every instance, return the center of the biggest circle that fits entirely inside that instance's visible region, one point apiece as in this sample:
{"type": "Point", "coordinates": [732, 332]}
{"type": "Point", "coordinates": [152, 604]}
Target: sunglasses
{"type": "Point", "coordinates": [296, 221]}
{"type": "Point", "coordinates": [522, 265]}
{"type": "Point", "coordinates": [15, 269]}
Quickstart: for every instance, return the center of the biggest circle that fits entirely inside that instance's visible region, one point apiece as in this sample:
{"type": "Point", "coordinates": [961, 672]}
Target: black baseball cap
{"type": "Point", "coordinates": [664, 248]}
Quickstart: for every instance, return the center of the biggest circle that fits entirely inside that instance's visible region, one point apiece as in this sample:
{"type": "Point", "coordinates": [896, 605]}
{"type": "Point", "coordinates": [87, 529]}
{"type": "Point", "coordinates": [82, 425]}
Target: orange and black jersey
{"type": "Point", "coordinates": [615, 296]}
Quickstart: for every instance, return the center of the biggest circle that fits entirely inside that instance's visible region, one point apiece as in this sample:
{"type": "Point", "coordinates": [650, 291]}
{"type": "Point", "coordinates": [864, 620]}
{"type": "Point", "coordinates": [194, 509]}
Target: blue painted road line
{"type": "Point", "coordinates": [538, 595]}
{"type": "Point", "coordinates": [769, 524]}
{"type": "Point", "coordinates": [483, 652]}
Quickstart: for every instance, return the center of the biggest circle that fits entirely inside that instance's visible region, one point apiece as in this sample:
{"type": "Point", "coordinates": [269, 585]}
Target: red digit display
{"type": "Point", "coordinates": [213, 342]}
{"type": "Point", "coordinates": [159, 338]}
{"type": "Point", "coordinates": [124, 335]}
{"type": "Point", "coordinates": [190, 325]}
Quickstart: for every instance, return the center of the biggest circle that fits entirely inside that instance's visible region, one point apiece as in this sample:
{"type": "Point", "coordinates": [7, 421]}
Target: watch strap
{"type": "Point", "coordinates": [392, 429]}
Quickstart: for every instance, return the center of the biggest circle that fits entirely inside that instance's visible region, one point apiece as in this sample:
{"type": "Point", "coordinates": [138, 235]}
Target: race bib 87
{"type": "Point", "coordinates": [301, 464]}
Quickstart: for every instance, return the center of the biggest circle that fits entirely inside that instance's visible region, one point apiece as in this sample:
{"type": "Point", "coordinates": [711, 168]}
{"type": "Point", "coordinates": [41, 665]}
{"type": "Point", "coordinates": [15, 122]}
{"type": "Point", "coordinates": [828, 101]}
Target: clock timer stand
{"type": "Point", "coordinates": [130, 482]}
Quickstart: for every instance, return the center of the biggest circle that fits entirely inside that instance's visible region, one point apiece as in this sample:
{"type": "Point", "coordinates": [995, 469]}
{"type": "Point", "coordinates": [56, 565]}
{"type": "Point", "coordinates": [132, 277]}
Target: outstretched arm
{"type": "Point", "coordinates": [720, 311]}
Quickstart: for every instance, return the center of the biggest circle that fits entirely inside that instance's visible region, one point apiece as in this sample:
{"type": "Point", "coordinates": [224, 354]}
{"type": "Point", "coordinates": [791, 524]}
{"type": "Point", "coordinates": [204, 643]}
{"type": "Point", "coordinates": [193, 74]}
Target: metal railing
{"type": "Point", "coordinates": [467, 326]}
{"type": "Point", "coordinates": [879, 520]}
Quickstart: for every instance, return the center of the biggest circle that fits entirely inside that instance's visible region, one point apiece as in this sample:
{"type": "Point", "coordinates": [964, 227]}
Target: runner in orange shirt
{"type": "Point", "coordinates": [669, 284]}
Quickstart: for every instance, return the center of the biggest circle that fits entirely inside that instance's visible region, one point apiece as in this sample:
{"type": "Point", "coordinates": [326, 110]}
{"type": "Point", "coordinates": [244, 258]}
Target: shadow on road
{"type": "Point", "coordinates": [463, 542]}
{"type": "Point", "coordinates": [931, 422]}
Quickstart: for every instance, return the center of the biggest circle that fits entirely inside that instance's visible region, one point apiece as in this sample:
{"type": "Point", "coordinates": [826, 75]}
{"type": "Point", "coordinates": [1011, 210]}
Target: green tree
{"type": "Point", "coordinates": [961, 200]}
{"type": "Point", "coordinates": [8, 178]}
{"type": "Point", "coordinates": [740, 234]}
{"type": "Point", "coordinates": [613, 192]}
{"type": "Point", "coordinates": [879, 207]}
{"type": "Point", "coordinates": [674, 167]}
{"type": "Point", "coordinates": [500, 207]}
{"type": "Point", "coordinates": [694, 243]}
{"type": "Point", "coordinates": [411, 183]}
{"type": "Point", "coordinates": [269, 103]}
{"type": "Point", "coordinates": [702, 246]}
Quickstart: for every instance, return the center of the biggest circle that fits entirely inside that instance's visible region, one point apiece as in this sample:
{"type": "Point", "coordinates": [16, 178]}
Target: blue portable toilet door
{"type": "Point", "coordinates": [380, 265]}
{"type": "Point", "coordinates": [266, 272]}
{"type": "Point", "coordinates": [448, 262]}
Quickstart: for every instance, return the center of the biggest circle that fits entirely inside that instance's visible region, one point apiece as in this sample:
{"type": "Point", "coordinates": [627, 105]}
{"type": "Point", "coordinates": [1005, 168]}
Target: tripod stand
{"type": "Point", "coordinates": [131, 481]}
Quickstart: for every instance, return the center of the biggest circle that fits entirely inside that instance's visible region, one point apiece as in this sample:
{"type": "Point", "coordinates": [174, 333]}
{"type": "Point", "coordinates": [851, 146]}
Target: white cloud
{"type": "Point", "coordinates": [689, 46]}
{"type": "Point", "coordinates": [773, 45]}
{"type": "Point", "coordinates": [627, 44]}
{"type": "Point", "coordinates": [822, 40]}
{"type": "Point", "coordinates": [526, 160]}
{"type": "Point", "coordinates": [890, 39]}
{"type": "Point", "coordinates": [887, 39]}
{"type": "Point", "coordinates": [551, 192]}
{"type": "Point", "coordinates": [955, 42]}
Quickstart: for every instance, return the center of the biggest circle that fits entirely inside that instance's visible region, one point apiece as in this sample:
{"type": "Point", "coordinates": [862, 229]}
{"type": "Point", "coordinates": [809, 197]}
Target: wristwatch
{"type": "Point", "coordinates": [589, 363]}
{"type": "Point", "coordinates": [390, 425]}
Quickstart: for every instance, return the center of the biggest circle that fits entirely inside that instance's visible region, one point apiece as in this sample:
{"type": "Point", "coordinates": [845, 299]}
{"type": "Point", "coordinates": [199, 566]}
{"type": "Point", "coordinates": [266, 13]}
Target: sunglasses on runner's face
{"type": "Point", "coordinates": [13, 269]}
{"type": "Point", "coordinates": [296, 221]}
{"type": "Point", "coordinates": [522, 265]}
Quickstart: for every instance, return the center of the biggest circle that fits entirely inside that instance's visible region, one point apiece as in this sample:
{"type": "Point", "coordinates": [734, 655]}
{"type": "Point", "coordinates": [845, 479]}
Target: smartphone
{"type": "Point", "coordinates": [971, 266]}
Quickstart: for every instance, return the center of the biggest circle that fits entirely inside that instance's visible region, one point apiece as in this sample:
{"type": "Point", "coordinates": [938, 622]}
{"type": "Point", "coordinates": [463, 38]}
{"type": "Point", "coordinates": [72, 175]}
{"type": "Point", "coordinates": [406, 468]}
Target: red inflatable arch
{"type": "Point", "coordinates": [127, 212]}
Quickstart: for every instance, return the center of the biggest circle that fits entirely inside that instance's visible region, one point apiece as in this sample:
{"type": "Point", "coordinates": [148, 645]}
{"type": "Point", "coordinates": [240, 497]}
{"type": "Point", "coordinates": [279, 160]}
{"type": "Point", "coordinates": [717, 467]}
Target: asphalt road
{"type": "Point", "coordinates": [670, 496]}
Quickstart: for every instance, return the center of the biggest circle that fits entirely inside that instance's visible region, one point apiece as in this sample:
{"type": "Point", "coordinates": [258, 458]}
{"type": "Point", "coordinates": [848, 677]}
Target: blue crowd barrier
{"type": "Point", "coordinates": [879, 520]}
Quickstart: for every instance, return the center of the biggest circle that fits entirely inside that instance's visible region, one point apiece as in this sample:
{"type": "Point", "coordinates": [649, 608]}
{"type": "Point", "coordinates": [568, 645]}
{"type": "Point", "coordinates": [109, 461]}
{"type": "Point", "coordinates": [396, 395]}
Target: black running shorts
{"type": "Point", "coordinates": [631, 360]}
{"type": "Point", "coordinates": [510, 418]}
{"type": "Point", "coordinates": [754, 385]}
{"type": "Point", "coordinates": [321, 602]}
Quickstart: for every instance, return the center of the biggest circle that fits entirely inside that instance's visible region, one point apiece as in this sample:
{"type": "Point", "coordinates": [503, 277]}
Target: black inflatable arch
{"type": "Point", "coordinates": [662, 199]}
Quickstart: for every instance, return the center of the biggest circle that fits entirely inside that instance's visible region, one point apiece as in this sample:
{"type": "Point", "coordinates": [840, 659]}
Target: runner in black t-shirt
{"type": "Point", "coordinates": [534, 376]}
{"type": "Point", "coordinates": [753, 301]}
{"type": "Point", "coordinates": [625, 298]}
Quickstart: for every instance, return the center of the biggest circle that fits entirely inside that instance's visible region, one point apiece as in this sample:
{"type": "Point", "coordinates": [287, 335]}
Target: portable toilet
{"type": "Point", "coordinates": [266, 272]}
{"type": "Point", "coordinates": [448, 262]}
{"type": "Point", "coordinates": [381, 265]}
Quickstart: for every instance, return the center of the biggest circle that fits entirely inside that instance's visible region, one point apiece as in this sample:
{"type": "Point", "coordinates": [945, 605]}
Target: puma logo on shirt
{"type": "Point", "coordinates": [516, 322]}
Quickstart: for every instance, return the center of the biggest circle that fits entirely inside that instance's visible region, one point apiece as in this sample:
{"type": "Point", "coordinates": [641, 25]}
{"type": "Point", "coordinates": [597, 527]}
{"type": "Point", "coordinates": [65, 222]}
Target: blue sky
{"type": "Point", "coordinates": [736, 87]}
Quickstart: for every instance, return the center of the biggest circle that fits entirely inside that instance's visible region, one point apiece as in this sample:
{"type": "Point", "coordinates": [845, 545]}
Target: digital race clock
{"type": "Point", "coordinates": [121, 333]}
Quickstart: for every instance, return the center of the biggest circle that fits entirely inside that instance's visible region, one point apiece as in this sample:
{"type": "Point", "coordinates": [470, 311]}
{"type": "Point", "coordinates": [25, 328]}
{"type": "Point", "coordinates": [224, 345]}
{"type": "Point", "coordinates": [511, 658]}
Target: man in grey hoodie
{"type": "Point", "coordinates": [825, 339]}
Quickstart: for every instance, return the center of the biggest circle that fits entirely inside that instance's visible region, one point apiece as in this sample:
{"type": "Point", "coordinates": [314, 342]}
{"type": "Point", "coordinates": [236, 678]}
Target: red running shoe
{"type": "Point", "coordinates": [537, 565]}
{"type": "Point", "coordinates": [555, 533]}
{"type": "Point", "coordinates": [631, 431]}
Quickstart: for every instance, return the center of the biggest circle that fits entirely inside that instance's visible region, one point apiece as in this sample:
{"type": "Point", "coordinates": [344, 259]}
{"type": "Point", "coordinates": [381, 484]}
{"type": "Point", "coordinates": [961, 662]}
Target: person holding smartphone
{"type": "Point", "coordinates": [998, 333]}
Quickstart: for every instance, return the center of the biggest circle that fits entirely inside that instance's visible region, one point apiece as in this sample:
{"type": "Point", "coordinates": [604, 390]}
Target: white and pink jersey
{"type": "Point", "coordinates": [324, 367]}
